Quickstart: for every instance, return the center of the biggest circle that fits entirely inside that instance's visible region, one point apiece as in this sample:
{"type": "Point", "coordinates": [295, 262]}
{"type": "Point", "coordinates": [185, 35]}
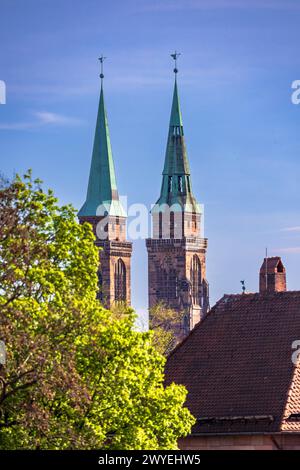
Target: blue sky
{"type": "Point", "coordinates": [239, 59]}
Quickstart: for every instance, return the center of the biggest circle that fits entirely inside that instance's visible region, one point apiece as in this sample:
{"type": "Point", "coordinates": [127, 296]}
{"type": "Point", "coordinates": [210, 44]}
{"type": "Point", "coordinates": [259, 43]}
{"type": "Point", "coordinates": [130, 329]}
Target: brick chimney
{"type": "Point", "coordinates": [272, 276]}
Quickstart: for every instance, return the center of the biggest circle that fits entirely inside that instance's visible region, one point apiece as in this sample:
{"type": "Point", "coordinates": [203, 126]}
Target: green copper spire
{"type": "Point", "coordinates": [176, 185]}
{"type": "Point", "coordinates": [176, 161]}
{"type": "Point", "coordinates": [102, 194]}
{"type": "Point", "coordinates": [176, 118]}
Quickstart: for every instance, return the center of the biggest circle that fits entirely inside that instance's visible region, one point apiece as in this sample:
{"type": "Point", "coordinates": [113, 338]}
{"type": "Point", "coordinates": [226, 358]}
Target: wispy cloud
{"type": "Point", "coordinates": [63, 89]}
{"type": "Point", "coordinates": [41, 118]}
{"type": "Point", "coordinates": [142, 67]}
{"type": "Point", "coordinates": [291, 229]}
{"type": "Point", "coordinates": [291, 250]}
{"type": "Point", "coordinates": [175, 5]}
{"type": "Point", "coordinates": [44, 117]}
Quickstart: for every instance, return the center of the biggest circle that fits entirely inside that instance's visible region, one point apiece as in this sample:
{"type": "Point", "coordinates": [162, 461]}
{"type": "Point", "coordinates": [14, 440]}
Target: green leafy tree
{"type": "Point", "coordinates": [76, 375]}
{"type": "Point", "coordinates": [165, 321]}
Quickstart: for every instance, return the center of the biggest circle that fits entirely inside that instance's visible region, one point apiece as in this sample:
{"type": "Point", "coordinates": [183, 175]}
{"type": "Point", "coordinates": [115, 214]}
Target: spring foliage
{"type": "Point", "coordinates": [76, 375]}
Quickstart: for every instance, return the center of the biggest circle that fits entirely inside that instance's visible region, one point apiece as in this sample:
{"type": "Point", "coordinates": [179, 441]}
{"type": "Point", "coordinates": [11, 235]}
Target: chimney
{"type": "Point", "coordinates": [272, 277]}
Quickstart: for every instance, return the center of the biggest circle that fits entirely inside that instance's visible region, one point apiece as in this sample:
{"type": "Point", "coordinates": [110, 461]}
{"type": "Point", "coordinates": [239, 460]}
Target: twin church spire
{"type": "Point", "coordinates": [176, 184]}
{"type": "Point", "coordinates": [104, 211]}
{"type": "Point", "coordinates": [102, 193]}
{"type": "Point", "coordinates": [176, 268]}
{"type": "Point", "coordinates": [176, 251]}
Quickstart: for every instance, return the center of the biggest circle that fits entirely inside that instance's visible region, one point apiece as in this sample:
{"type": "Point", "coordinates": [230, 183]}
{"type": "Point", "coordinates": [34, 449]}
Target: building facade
{"type": "Point", "coordinates": [104, 211]}
{"type": "Point", "coordinates": [177, 250]}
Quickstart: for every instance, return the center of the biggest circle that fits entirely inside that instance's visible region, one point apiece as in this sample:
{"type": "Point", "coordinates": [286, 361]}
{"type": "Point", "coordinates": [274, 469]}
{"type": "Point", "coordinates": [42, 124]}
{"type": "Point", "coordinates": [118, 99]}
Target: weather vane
{"type": "Point", "coordinates": [243, 286]}
{"type": "Point", "coordinates": [175, 57]}
{"type": "Point", "coordinates": [102, 59]}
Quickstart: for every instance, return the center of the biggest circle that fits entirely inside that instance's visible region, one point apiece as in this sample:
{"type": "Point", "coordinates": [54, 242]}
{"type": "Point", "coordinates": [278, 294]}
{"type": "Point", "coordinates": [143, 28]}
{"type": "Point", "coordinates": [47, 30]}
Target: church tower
{"type": "Point", "coordinates": [176, 251]}
{"type": "Point", "coordinates": [104, 211]}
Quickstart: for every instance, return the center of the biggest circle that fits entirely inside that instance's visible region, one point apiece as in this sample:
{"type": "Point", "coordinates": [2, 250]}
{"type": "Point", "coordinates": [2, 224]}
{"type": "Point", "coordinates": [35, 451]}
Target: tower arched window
{"type": "Point", "coordinates": [171, 285]}
{"type": "Point", "coordinates": [120, 281]}
{"type": "Point", "coordinates": [168, 284]}
{"type": "Point", "coordinates": [161, 277]}
{"type": "Point", "coordinates": [160, 224]}
{"type": "Point", "coordinates": [172, 224]}
{"type": "Point", "coordinates": [194, 222]}
{"type": "Point", "coordinates": [196, 280]}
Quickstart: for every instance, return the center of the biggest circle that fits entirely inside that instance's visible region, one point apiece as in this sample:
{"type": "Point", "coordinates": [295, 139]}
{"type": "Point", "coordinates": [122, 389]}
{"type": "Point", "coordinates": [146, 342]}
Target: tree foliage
{"type": "Point", "coordinates": [76, 375]}
{"type": "Point", "coordinates": [165, 322]}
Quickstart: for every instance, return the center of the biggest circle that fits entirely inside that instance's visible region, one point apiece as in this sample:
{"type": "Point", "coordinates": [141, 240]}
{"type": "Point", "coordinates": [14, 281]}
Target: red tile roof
{"type": "Point", "coordinates": [237, 365]}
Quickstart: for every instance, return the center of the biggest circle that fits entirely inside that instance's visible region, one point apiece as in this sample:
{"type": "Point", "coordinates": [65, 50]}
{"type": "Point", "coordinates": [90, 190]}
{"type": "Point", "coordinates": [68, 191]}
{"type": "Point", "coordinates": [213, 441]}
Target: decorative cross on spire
{"type": "Point", "coordinates": [175, 57]}
{"type": "Point", "coordinates": [102, 59]}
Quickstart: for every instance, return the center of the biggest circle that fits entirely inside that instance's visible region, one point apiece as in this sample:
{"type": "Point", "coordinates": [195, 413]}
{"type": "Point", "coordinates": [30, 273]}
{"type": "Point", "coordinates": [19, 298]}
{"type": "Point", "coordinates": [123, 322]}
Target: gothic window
{"type": "Point", "coordinates": [194, 222]}
{"type": "Point", "coordinates": [169, 184]}
{"type": "Point", "coordinates": [160, 220]}
{"type": "Point", "coordinates": [161, 283]}
{"type": "Point", "coordinates": [172, 224]}
{"type": "Point", "coordinates": [172, 285]}
{"type": "Point", "coordinates": [120, 281]}
{"type": "Point", "coordinates": [196, 280]}
{"type": "Point", "coordinates": [167, 283]}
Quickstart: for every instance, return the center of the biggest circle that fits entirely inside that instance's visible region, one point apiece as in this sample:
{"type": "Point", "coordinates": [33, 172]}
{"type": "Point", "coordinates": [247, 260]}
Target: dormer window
{"type": "Point", "coordinates": [177, 130]}
{"type": "Point", "coordinates": [180, 187]}
{"type": "Point", "coordinates": [188, 184]}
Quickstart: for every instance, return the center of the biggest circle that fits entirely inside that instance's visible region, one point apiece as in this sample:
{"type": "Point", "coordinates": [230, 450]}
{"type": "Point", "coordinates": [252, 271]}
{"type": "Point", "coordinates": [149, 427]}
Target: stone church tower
{"type": "Point", "coordinates": [176, 251]}
{"type": "Point", "coordinates": [104, 211]}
